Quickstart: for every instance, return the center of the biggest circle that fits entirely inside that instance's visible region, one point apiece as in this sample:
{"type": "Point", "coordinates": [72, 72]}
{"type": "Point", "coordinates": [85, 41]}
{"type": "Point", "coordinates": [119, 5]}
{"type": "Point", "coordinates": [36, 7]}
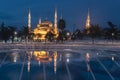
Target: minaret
{"type": "Point", "coordinates": [88, 20]}
{"type": "Point", "coordinates": [55, 18]}
{"type": "Point", "coordinates": [29, 21]}
{"type": "Point", "coordinates": [55, 22]}
{"type": "Point", "coordinates": [40, 20]}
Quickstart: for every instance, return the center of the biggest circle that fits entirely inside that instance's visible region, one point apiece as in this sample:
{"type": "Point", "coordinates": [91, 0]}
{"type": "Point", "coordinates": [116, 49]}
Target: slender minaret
{"type": "Point", "coordinates": [55, 22]}
{"type": "Point", "coordinates": [55, 18]}
{"type": "Point", "coordinates": [88, 20]}
{"type": "Point", "coordinates": [40, 20]}
{"type": "Point", "coordinates": [29, 21]}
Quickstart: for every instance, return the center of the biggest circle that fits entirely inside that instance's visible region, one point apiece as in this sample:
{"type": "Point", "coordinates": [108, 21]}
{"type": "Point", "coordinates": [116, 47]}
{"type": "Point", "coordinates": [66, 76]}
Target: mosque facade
{"type": "Point", "coordinates": [43, 28]}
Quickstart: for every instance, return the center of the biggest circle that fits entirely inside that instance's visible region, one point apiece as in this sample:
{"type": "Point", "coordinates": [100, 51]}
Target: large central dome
{"type": "Point", "coordinates": [42, 29]}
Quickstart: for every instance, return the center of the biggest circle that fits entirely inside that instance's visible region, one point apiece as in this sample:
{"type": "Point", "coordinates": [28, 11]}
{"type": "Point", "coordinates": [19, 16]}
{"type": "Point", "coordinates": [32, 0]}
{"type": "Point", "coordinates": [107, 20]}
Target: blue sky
{"type": "Point", "coordinates": [14, 12]}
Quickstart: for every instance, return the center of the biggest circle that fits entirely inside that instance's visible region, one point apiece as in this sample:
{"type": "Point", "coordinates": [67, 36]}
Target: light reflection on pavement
{"type": "Point", "coordinates": [88, 64]}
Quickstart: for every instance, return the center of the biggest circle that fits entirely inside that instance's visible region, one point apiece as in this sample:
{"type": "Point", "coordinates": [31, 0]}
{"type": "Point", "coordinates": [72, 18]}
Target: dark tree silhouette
{"type": "Point", "coordinates": [64, 35]}
{"type": "Point", "coordinates": [77, 34]}
{"type": "Point", "coordinates": [23, 33]}
{"type": "Point", "coordinates": [50, 36]}
{"type": "Point", "coordinates": [12, 32]}
{"type": "Point", "coordinates": [61, 24]}
{"type": "Point", "coordinates": [112, 31]}
{"type": "Point", "coordinates": [111, 24]}
{"type": "Point", "coordinates": [95, 31]}
{"type": "Point", "coordinates": [60, 37]}
{"type": "Point", "coordinates": [4, 32]}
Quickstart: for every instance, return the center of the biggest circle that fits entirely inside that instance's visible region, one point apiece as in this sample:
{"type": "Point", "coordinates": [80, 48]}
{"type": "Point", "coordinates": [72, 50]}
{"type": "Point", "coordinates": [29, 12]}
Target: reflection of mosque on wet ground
{"type": "Point", "coordinates": [63, 65]}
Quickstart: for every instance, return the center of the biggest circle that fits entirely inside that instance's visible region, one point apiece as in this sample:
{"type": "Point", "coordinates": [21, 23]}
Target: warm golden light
{"type": "Point", "coordinates": [88, 24]}
{"type": "Point", "coordinates": [44, 27]}
{"type": "Point", "coordinates": [55, 62]}
{"type": "Point", "coordinates": [42, 56]}
{"type": "Point", "coordinates": [87, 56]}
{"type": "Point", "coordinates": [88, 21]}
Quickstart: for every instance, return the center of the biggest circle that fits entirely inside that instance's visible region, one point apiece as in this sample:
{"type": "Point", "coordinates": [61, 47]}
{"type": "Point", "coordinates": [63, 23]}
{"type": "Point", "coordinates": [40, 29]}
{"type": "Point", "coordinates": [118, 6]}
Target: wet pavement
{"type": "Point", "coordinates": [84, 64]}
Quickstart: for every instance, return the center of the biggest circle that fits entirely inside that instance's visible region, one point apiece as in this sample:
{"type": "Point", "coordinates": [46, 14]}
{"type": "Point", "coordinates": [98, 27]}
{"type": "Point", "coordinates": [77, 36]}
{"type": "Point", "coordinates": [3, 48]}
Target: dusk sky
{"type": "Point", "coordinates": [15, 12]}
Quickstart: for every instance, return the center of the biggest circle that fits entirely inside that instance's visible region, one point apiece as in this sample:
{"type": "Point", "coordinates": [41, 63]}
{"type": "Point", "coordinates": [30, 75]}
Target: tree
{"type": "Point", "coordinates": [112, 31]}
{"type": "Point", "coordinates": [12, 32]}
{"type": "Point", "coordinates": [61, 24]}
{"type": "Point", "coordinates": [66, 34]}
{"type": "Point", "coordinates": [77, 34]}
{"type": "Point", "coordinates": [23, 33]}
{"type": "Point", "coordinates": [4, 32]}
{"type": "Point", "coordinates": [50, 36]}
{"type": "Point", "coordinates": [95, 31]}
{"type": "Point", "coordinates": [60, 37]}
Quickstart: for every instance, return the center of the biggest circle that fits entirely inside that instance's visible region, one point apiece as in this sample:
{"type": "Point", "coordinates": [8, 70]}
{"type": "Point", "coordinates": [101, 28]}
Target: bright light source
{"type": "Point", "coordinates": [68, 60]}
{"type": "Point", "coordinates": [97, 53]}
{"type": "Point", "coordinates": [88, 56]}
{"type": "Point", "coordinates": [113, 58]}
{"type": "Point", "coordinates": [15, 33]}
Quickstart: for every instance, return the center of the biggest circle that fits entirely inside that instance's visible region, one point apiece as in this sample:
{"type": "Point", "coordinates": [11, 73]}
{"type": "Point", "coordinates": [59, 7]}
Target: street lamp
{"type": "Point", "coordinates": [68, 35]}
{"type": "Point", "coordinates": [112, 37]}
{"type": "Point", "coordinates": [15, 34]}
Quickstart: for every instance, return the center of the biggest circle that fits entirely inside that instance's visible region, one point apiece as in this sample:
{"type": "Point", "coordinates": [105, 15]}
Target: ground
{"type": "Point", "coordinates": [73, 61]}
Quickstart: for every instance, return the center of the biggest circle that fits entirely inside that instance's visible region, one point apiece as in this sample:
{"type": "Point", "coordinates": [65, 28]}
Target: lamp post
{"type": "Point", "coordinates": [15, 34]}
{"type": "Point", "coordinates": [68, 35]}
{"type": "Point", "coordinates": [112, 37]}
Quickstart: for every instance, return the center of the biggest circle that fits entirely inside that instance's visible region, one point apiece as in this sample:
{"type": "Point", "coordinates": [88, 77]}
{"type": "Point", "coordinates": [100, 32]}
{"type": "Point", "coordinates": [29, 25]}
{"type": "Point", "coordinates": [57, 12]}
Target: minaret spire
{"type": "Point", "coordinates": [55, 23]}
{"type": "Point", "coordinates": [88, 20]}
{"type": "Point", "coordinates": [29, 20]}
{"type": "Point", "coordinates": [40, 20]}
{"type": "Point", "coordinates": [55, 18]}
